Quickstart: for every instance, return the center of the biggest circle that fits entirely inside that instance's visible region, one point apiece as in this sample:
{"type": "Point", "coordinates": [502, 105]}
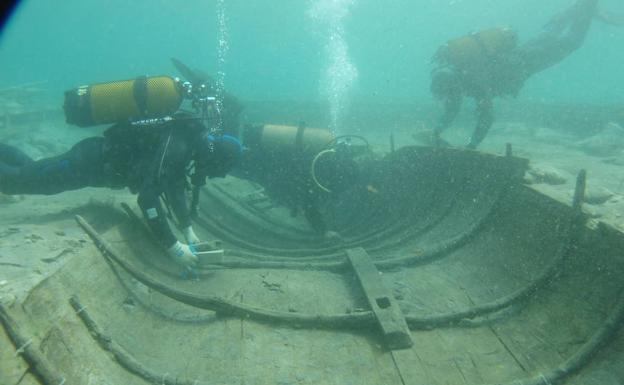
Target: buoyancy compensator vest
{"type": "Point", "coordinates": [470, 51]}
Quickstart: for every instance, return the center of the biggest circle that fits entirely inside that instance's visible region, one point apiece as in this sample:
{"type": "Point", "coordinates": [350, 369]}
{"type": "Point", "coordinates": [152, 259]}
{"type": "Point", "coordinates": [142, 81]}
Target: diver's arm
{"type": "Point", "coordinates": [452, 105]}
{"type": "Point", "coordinates": [484, 122]}
{"type": "Point", "coordinates": [155, 216]}
{"type": "Point", "coordinates": [315, 219]}
{"type": "Point", "coordinates": [308, 199]}
{"type": "Point", "coordinates": [176, 195]}
{"type": "Point", "coordinates": [312, 212]}
{"type": "Point", "coordinates": [154, 213]}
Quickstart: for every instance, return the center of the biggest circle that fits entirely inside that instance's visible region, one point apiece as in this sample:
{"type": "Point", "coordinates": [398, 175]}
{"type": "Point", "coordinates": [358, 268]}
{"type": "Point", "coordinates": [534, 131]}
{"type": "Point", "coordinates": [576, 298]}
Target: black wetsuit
{"type": "Point", "coordinates": [151, 160]}
{"type": "Point", "coordinates": [506, 73]}
{"type": "Point", "coordinates": [286, 179]}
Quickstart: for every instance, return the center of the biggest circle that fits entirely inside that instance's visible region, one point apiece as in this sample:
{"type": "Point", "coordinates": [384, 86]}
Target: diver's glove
{"type": "Point", "coordinates": [183, 255]}
{"type": "Point", "coordinates": [190, 236]}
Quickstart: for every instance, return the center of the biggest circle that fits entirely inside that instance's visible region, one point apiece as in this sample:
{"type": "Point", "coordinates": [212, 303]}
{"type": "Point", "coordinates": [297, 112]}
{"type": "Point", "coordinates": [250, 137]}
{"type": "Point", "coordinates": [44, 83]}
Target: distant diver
{"type": "Point", "coordinates": [489, 64]}
{"type": "Point", "coordinates": [151, 156]}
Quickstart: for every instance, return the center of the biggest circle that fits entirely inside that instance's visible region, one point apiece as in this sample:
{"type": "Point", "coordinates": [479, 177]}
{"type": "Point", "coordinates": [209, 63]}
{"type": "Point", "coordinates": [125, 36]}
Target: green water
{"type": "Point", "coordinates": [276, 50]}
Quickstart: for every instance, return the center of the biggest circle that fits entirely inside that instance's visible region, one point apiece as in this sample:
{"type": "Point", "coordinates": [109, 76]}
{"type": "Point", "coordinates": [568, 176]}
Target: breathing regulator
{"type": "Point", "coordinates": [340, 151]}
{"type": "Point", "coordinates": [202, 99]}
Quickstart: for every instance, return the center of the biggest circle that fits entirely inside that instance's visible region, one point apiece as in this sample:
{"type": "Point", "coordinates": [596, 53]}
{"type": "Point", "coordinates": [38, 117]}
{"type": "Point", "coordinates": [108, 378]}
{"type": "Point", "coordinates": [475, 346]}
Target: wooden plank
{"type": "Point", "coordinates": [459, 356]}
{"type": "Point", "coordinates": [12, 366]}
{"type": "Point", "coordinates": [411, 369]}
{"type": "Point", "coordinates": [452, 355]}
{"type": "Point", "coordinates": [386, 310]}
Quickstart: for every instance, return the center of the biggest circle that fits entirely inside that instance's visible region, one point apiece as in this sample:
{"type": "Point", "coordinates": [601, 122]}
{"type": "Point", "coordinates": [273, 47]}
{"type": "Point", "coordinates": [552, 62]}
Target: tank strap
{"type": "Point", "coordinates": [299, 137]}
{"type": "Point", "coordinates": [140, 94]}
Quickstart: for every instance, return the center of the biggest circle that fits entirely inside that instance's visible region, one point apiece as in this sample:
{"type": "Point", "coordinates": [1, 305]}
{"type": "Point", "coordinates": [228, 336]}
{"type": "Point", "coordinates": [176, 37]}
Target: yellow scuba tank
{"type": "Point", "coordinates": [282, 138]}
{"type": "Point", "coordinates": [471, 50]}
{"type": "Point", "coordinates": [125, 100]}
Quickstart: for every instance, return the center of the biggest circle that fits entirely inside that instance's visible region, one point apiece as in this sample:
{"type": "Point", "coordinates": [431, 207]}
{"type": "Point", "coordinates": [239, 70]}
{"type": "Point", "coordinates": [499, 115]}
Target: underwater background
{"type": "Point", "coordinates": [276, 50]}
{"type": "Point", "coordinates": [467, 238]}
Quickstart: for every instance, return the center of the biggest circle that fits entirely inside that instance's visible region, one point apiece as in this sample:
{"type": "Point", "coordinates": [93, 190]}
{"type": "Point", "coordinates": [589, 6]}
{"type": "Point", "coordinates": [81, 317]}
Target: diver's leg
{"type": "Point", "coordinates": [12, 156]}
{"type": "Point", "coordinates": [6, 171]}
{"type": "Point", "coordinates": [579, 26]}
{"type": "Point", "coordinates": [556, 43]}
{"type": "Point", "coordinates": [559, 22]}
{"type": "Point", "coordinates": [80, 167]}
{"type": "Point", "coordinates": [610, 18]}
{"type": "Point", "coordinates": [11, 160]}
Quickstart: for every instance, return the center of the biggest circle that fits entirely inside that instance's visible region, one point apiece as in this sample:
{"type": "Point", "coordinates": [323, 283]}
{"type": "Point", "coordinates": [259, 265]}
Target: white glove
{"type": "Point", "coordinates": [183, 255]}
{"type": "Point", "coordinates": [190, 236]}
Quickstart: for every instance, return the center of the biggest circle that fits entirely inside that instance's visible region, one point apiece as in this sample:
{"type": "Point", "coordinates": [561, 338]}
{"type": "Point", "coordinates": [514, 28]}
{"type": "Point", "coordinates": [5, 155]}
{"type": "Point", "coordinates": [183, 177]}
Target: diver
{"type": "Point", "coordinates": [150, 159]}
{"type": "Point", "coordinates": [300, 168]}
{"type": "Point", "coordinates": [489, 64]}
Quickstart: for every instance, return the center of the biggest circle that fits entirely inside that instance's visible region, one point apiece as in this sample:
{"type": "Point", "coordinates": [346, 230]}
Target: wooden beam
{"type": "Point", "coordinates": [391, 320]}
